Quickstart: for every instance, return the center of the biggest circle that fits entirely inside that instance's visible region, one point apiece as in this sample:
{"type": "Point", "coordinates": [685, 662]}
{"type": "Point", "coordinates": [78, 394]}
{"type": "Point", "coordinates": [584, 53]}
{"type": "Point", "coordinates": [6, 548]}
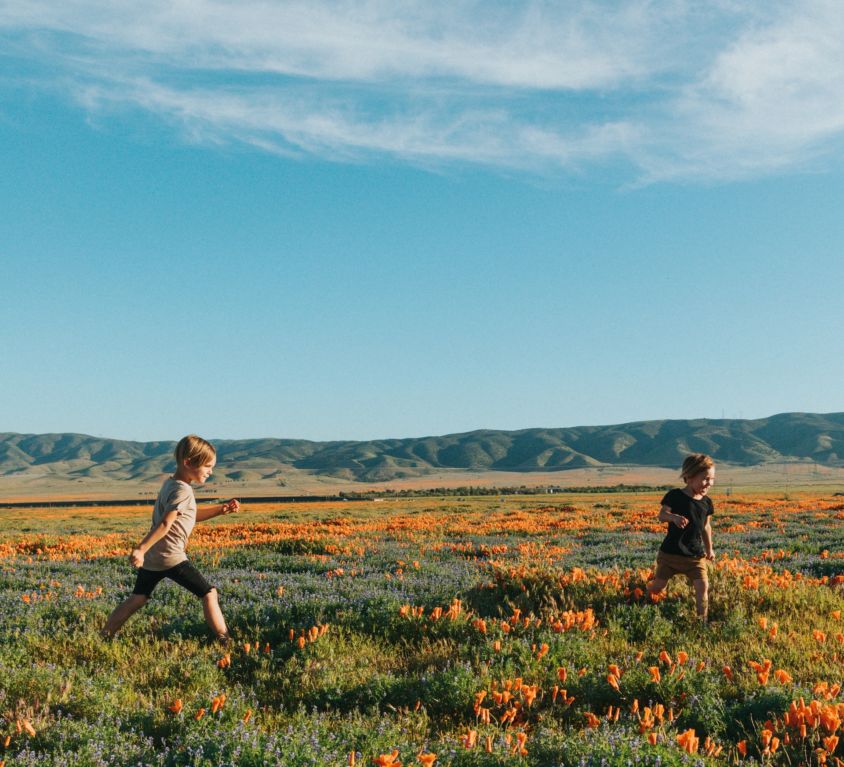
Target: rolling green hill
{"type": "Point", "coordinates": [785, 437]}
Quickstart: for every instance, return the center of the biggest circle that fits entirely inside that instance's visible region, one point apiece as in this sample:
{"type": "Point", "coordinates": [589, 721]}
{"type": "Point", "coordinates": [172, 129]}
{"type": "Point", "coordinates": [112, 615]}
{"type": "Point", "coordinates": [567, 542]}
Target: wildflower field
{"type": "Point", "coordinates": [486, 631]}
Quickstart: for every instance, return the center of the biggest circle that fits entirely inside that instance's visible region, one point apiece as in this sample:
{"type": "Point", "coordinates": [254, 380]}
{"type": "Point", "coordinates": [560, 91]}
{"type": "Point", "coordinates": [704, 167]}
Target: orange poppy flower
{"type": "Point", "coordinates": [783, 677]}
{"type": "Point", "coordinates": [387, 760]}
{"type": "Point", "coordinates": [688, 741]}
{"type": "Point", "coordinates": [829, 719]}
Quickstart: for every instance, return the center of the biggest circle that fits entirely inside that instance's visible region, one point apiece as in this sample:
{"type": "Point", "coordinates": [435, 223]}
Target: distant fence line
{"type": "Point", "coordinates": [360, 496]}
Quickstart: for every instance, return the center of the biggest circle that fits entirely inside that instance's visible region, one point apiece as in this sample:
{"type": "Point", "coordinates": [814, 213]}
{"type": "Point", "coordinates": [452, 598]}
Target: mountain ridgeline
{"type": "Point", "coordinates": [785, 437]}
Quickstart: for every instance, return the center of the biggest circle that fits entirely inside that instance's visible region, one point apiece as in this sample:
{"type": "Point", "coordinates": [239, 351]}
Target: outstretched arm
{"type": "Point", "coordinates": [218, 509]}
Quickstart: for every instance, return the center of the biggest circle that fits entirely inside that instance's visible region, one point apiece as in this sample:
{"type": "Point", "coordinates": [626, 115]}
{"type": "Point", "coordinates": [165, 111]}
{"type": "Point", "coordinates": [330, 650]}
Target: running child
{"type": "Point", "coordinates": [688, 541]}
{"type": "Point", "coordinates": [161, 554]}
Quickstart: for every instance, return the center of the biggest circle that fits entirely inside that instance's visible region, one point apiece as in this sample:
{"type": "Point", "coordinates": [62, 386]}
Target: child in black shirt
{"type": "Point", "coordinates": [688, 540]}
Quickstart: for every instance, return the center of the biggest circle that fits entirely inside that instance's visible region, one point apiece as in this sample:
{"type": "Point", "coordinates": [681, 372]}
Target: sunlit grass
{"type": "Point", "coordinates": [487, 631]}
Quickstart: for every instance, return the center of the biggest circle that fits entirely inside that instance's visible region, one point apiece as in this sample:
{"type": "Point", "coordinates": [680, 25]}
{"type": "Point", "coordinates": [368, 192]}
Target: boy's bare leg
{"type": "Point", "coordinates": [213, 616]}
{"type": "Point", "coordinates": [702, 598]}
{"type": "Point", "coordinates": [122, 613]}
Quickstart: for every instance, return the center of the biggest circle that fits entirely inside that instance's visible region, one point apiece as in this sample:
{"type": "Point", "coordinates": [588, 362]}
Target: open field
{"type": "Point", "coordinates": [787, 477]}
{"type": "Point", "coordinates": [482, 631]}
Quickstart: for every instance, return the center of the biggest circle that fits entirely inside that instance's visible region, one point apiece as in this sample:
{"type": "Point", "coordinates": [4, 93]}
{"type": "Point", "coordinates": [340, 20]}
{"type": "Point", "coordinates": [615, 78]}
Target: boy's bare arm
{"type": "Point", "coordinates": [153, 537]}
{"type": "Point", "coordinates": [707, 540]}
{"type": "Point", "coordinates": [215, 510]}
{"type": "Point", "coordinates": [666, 515]}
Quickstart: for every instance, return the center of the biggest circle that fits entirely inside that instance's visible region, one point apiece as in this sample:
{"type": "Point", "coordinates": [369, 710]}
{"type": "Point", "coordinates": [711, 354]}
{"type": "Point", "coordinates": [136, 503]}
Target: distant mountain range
{"type": "Point", "coordinates": [786, 437]}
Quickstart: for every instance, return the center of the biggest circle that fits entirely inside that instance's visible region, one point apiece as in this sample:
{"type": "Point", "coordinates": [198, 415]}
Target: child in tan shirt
{"type": "Point", "coordinates": [161, 554]}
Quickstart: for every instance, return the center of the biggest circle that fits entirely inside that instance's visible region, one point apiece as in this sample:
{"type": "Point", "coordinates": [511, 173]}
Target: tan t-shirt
{"type": "Point", "coordinates": [170, 550]}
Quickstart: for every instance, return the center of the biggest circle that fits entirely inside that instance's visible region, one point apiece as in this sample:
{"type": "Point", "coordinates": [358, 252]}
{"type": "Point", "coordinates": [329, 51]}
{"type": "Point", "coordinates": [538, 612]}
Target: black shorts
{"type": "Point", "coordinates": [185, 574]}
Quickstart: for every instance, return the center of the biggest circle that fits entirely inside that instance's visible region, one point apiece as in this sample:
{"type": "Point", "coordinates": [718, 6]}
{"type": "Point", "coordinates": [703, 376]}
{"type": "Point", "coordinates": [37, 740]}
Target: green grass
{"type": "Point", "coordinates": [377, 681]}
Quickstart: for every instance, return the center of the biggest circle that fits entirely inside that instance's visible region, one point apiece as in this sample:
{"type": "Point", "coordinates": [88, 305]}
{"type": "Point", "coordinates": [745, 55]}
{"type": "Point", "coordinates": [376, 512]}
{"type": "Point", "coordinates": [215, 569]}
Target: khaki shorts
{"type": "Point", "coordinates": [668, 565]}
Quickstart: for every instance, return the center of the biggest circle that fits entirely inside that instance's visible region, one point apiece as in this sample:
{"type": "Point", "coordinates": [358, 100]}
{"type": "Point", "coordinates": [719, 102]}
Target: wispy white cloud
{"type": "Point", "coordinates": [772, 99]}
{"type": "Point", "coordinates": [429, 134]}
{"type": "Point", "coordinates": [670, 89]}
{"type": "Point", "coordinates": [522, 45]}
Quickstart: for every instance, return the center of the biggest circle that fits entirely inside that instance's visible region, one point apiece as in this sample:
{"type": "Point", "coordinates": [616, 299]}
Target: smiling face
{"type": "Point", "coordinates": [699, 484]}
{"type": "Point", "coordinates": [198, 474]}
{"type": "Point", "coordinates": [195, 459]}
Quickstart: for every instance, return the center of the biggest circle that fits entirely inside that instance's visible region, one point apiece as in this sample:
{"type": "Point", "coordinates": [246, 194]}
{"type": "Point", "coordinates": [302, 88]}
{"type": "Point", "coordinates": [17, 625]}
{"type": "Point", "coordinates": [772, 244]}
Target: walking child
{"type": "Point", "coordinates": [161, 554]}
{"type": "Point", "coordinates": [688, 541]}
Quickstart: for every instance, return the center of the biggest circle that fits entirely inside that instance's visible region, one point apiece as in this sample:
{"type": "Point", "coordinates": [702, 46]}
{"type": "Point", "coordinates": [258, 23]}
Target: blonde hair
{"type": "Point", "coordinates": [695, 464]}
{"type": "Point", "coordinates": [195, 450]}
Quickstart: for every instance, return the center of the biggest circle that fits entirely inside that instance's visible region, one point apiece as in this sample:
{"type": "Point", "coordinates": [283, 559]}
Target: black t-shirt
{"type": "Point", "coordinates": [687, 541]}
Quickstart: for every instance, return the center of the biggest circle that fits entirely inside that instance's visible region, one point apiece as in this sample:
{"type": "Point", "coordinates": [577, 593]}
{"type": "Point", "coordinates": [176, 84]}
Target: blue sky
{"type": "Point", "coordinates": [351, 221]}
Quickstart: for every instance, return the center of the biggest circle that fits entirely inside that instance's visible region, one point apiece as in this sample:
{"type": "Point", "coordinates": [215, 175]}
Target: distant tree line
{"type": "Point", "coordinates": [489, 491]}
